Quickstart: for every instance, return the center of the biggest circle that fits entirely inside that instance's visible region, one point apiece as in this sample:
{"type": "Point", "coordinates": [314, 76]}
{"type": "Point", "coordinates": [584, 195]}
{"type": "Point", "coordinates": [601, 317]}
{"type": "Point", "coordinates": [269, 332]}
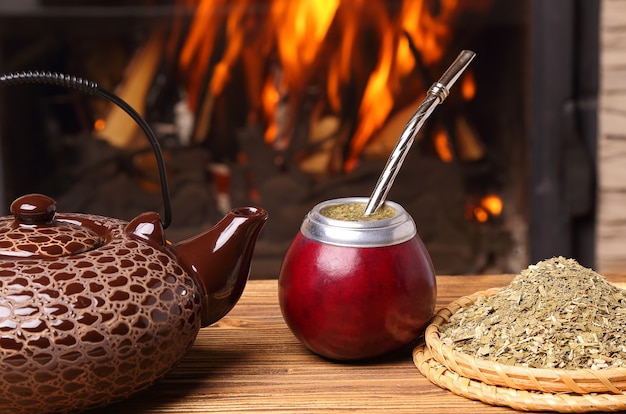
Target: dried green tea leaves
{"type": "Point", "coordinates": [555, 314]}
{"type": "Point", "coordinates": [355, 212]}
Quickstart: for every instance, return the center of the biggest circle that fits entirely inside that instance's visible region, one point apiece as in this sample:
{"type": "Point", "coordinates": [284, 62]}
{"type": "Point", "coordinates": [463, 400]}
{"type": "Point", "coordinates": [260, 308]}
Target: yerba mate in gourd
{"type": "Point", "coordinates": [356, 212]}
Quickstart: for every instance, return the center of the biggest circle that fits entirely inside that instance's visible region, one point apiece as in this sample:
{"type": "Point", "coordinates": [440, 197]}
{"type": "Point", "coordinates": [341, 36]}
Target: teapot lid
{"type": "Point", "coordinates": [33, 232]}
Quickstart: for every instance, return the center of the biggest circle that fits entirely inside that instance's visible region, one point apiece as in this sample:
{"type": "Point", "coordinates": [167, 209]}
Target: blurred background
{"type": "Point", "coordinates": [283, 104]}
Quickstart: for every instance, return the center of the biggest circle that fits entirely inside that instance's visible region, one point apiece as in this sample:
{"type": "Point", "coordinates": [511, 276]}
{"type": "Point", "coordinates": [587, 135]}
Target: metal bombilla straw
{"type": "Point", "coordinates": [437, 93]}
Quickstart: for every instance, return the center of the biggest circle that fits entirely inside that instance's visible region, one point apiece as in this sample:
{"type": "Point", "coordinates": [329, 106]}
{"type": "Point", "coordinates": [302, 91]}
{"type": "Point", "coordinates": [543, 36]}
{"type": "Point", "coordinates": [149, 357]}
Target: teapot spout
{"type": "Point", "coordinates": [220, 259]}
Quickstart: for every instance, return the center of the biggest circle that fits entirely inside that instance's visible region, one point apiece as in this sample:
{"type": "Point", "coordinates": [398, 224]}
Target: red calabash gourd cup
{"type": "Point", "coordinates": [352, 290]}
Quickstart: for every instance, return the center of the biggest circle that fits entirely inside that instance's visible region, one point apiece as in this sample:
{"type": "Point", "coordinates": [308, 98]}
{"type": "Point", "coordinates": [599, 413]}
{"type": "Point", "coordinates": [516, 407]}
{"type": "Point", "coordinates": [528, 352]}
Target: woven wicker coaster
{"type": "Point", "coordinates": [517, 399]}
{"type": "Point", "coordinates": [547, 380]}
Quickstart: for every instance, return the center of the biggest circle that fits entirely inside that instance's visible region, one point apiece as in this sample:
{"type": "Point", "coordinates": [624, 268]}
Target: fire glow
{"type": "Point", "coordinates": [350, 50]}
{"type": "Point", "coordinates": [486, 208]}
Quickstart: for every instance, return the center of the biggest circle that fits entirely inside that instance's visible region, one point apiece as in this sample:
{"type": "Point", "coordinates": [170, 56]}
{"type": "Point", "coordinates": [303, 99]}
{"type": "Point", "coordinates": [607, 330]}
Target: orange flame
{"type": "Point", "coordinates": [301, 28]}
{"type": "Point", "coordinates": [270, 97]}
{"type": "Point", "coordinates": [492, 203]}
{"type": "Point", "coordinates": [487, 207]}
{"type": "Point", "coordinates": [468, 86]}
{"type": "Point", "coordinates": [481, 215]}
{"type": "Point", "coordinates": [99, 124]}
{"type": "Point", "coordinates": [429, 33]}
{"type": "Point", "coordinates": [376, 104]}
{"type": "Point", "coordinates": [442, 146]}
{"type": "Point", "coordinates": [195, 55]}
{"type": "Point", "coordinates": [315, 40]}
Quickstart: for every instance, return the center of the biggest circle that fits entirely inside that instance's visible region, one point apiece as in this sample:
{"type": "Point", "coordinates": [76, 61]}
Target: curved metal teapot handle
{"type": "Point", "coordinates": [92, 88]}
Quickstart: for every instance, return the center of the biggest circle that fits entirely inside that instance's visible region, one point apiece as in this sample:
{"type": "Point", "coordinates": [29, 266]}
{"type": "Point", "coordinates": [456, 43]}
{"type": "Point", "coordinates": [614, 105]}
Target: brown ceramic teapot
{"type": "Point", "coordinates": [94, 309]}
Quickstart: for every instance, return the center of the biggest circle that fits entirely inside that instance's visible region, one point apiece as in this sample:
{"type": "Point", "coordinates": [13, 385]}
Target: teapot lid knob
{"type": "Point", "coordinates": [34, 209]}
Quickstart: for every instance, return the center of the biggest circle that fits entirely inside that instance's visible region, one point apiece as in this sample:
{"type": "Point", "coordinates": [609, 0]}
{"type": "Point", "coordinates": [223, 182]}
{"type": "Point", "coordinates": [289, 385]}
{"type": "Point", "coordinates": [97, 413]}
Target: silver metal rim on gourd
{"type": "Point", "coordinates": [374, 233]}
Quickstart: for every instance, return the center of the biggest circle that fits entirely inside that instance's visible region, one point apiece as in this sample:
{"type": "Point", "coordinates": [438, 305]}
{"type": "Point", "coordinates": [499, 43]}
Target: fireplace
{"type": "Point", "coordinates": [502, 174]}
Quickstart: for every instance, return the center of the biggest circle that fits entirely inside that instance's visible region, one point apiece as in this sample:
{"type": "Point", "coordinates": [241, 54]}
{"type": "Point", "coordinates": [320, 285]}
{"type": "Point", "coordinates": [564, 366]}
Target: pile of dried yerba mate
{"type": "Point", "coordinates": [555, 314]}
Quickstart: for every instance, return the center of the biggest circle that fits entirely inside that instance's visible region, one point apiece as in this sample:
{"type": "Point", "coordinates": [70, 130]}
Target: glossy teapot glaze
{"type": "Point", "coordinates": [94, 309]}
{"type": "Point", "coordinates": [357, 289]}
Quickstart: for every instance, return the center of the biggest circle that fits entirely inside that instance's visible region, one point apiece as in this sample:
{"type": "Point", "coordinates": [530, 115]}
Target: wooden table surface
{"type": "Point", "coordinates": [250, 361]}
